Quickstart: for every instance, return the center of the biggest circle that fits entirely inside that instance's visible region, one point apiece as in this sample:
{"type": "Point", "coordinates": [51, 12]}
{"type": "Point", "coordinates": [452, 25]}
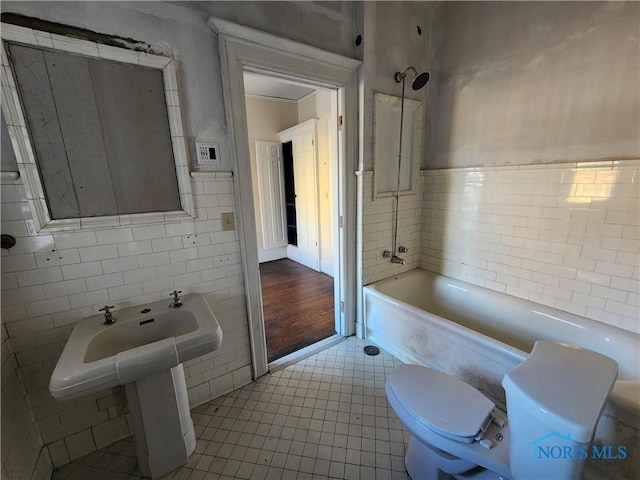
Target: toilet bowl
{"type": "Point", "coordinates": [554, 401]}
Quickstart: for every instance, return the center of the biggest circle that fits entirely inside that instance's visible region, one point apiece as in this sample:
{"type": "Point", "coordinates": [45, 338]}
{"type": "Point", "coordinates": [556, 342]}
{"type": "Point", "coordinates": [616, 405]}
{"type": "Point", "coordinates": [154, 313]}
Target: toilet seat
{"type": "Point", "coordinates": [441, 403]}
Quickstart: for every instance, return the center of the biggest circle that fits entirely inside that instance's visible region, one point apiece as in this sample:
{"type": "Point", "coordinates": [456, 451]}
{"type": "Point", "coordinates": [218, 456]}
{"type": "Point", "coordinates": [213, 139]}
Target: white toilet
{"type": "Point", "coordinates": [554, 399]}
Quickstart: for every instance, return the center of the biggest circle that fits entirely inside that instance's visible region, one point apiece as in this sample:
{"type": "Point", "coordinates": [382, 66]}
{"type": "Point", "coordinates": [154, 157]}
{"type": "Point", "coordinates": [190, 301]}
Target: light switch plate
{"type": "Point", "coordinates": [208, 153]}
{"type": "Point", "coordinates": [228, 222]}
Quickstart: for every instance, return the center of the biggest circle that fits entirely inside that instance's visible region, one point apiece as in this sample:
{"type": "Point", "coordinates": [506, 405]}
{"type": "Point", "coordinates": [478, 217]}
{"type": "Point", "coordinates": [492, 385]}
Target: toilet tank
{"type": "Point", "coordinates": [554, 401]}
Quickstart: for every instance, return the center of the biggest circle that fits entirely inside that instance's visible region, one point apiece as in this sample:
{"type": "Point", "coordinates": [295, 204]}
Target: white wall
{"type": "Point", "coordinates": [179, 28]}
{"type": "Point", "coordinates": [563, 235]}
{"type": "Point", "coordinates": [307, 107]}
{"type": "Point", "coordinates": [326, 25]}
{"type": "Point", "coordinates": [166, 28]}
{"type": "Point", "coordinates": [22, 452]}
{"type": "Point", "coordinates": [534, 82]}
{"type": "Point", "coordinates": [49, 282]}
{"type": "Point", "coordinates": [391, 43]}
{"type": "Point", "coordinates": [537, 83]}
{"type": "Point", "coordinates": [379, 214]}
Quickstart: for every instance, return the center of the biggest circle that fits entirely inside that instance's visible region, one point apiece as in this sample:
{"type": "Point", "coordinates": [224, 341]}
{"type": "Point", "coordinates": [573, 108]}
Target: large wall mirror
{"type": "Point", "coordinates": [96, 130]}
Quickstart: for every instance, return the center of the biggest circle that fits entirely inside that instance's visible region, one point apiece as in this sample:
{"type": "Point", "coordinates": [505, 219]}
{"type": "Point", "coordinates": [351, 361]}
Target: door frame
{"type": "Point", "coordinates": [242, 48]}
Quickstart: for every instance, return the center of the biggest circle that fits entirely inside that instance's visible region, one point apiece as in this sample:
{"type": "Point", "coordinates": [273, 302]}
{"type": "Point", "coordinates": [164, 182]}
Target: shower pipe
{"type": "Point", "coordinates": [419, 81]}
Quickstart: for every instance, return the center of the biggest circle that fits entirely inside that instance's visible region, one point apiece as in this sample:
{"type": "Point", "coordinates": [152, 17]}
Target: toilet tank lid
{"type": "Point", "coordinates": [563, 386]}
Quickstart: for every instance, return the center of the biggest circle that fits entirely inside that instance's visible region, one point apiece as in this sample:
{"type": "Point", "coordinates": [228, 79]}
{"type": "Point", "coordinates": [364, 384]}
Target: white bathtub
{"type": "Point", "coordinates": [479, 335]}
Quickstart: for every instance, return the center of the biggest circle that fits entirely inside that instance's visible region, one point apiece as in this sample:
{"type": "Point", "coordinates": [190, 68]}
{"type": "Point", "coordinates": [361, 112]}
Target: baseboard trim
{"type": "Point", "coordinates": [272, 254]}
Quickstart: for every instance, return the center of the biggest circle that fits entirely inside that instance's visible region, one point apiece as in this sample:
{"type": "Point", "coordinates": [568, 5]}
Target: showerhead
{"type": "Point", "coordinates": [419, 80]}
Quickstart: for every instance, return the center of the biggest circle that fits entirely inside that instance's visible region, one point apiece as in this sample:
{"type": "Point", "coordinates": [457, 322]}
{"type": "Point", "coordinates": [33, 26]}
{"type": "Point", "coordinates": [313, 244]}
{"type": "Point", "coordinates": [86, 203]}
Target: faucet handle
{"type": "Point", "coordinates": [176, 299]}
{"type": "Point", "coordinates": [108, 316]}
{"type": "Point", "coordinates": [403, 249]}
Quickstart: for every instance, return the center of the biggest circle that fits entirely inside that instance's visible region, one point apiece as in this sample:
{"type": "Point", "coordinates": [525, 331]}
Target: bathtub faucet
{"type": "Point", "coordinates": [394, 258]}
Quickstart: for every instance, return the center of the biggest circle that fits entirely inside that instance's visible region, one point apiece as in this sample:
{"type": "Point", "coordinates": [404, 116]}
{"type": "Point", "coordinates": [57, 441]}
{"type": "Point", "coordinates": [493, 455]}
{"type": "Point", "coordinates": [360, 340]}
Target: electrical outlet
{"type": "Point", "coordinates": [208, 153]}
{"type": "Point", "coordinates": [228, 222]}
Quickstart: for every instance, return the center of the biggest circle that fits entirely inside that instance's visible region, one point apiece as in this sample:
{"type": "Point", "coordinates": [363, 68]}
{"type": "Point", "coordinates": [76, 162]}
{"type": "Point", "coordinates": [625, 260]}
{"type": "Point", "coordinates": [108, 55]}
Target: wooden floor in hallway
{"type": "Point", "coordinates": [297, 304]}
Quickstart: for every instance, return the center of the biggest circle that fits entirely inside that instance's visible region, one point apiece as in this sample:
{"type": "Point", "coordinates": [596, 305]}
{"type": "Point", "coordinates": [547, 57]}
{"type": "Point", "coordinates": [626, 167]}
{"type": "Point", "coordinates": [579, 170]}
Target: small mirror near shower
{"type": "Point", "coordinates": [386, 145]}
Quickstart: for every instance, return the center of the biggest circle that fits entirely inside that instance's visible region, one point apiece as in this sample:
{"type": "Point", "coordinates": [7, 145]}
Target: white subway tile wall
{"type": "Point", "coordinates": [379, 213]}
{"type": "Point", "coordinates": [49, 282]}
{"type": "Point", "coordinates": [378, 230]}
{"type": "Point", "coordinates": [563, 235]}
{"type": "Point", "coordinates": [22, 452]}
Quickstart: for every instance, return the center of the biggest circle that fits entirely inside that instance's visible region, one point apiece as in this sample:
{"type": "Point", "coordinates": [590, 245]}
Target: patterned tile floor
{"type": "Point", "coordinates": [325, 417]}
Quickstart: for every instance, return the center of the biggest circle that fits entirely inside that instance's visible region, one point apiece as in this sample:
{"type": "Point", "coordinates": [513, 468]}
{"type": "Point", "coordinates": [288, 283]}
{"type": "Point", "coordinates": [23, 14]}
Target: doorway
{"type": "Point", "coordinates": [241, 49]}
{"type": "Point", "coordinates": [298, 307]}
{"type": "Point", "coordinates": [292, 132]}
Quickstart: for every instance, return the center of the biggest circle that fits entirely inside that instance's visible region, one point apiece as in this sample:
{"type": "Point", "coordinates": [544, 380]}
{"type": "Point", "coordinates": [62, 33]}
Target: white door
{"type": "Point", "coordinates": [304, 172]}
{"type": "Point", "coordinates": [272, 222]}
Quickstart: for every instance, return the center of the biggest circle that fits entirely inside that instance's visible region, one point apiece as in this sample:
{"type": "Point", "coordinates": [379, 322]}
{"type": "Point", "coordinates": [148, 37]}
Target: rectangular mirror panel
{"type": "Point", "coordinates": [100, 132]}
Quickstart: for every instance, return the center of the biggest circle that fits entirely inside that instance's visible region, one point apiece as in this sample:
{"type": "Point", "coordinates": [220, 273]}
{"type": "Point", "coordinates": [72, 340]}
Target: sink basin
{"type": "Point", "coordinates": [147, 329]}
{"type": "Point", "coordinates": [97, 357]}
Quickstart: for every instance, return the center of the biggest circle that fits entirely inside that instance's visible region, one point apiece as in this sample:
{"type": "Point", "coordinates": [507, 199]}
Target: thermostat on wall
{"type": "Point", "coordinates": [208, 153]}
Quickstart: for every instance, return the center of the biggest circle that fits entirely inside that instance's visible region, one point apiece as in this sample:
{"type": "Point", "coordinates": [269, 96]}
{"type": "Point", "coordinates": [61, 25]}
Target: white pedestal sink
{"type": "Point", "coordinates": [144, 350]}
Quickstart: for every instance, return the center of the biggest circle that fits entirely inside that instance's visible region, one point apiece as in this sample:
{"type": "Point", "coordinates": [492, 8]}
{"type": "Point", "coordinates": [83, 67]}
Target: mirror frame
{"type": "Point", "coordinates": [21, 141]}
{"type": "Point", "coordinates": [415, 129]}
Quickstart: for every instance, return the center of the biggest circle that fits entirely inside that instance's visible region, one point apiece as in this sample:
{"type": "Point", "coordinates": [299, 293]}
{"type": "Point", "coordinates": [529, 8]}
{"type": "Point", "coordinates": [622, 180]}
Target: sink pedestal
{"type": "Point", "coordinates": [144, 350]}
{"type": "Point", "coordinates": [161, 420]}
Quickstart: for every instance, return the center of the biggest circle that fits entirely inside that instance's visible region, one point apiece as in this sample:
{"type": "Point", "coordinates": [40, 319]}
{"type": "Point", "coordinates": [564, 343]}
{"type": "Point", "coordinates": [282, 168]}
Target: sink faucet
{"type": "Point", "coordinates": [176, 299]}
{"type": "Point", "coordinates": [108, 316]}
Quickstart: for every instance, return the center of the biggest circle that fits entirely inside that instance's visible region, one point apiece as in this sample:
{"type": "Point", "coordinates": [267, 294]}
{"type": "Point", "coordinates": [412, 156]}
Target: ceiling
{"type": "Point", "coordinates": [264, 86]}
